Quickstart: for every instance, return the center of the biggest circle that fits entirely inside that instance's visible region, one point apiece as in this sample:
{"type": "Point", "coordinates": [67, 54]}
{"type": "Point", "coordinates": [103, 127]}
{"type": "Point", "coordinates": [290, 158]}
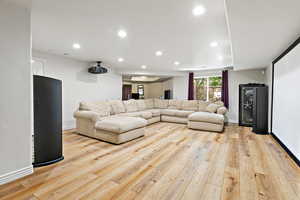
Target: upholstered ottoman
{"type": "Point", "coordinates": [206, 121]}
{"type": "Point", "coordinates": [118, 130]}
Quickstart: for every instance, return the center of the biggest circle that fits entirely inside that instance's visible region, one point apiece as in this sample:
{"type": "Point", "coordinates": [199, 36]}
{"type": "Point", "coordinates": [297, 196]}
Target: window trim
{"type": "Point", "coordinates": [207, 85]}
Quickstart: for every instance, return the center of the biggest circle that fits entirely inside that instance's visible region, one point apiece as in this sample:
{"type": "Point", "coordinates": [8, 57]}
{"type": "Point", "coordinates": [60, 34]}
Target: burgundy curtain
{"type": "Point", "coordinates": [191, 87]}
{"type": "Point", "coordinates": [224, 97]}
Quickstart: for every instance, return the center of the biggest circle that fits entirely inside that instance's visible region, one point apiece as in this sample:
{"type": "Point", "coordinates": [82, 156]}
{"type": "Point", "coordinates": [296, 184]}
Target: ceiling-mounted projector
{"type": "Point", "coordinates": [98, 69]}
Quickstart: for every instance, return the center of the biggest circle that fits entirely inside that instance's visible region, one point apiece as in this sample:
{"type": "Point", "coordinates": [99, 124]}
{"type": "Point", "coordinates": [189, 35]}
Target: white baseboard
{"type": "Point", "coordinates": [11, 176]}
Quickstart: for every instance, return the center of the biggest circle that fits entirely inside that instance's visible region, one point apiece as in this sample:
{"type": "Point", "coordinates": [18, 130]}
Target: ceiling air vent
{"type": "Point", "coordinates": [98, 69]}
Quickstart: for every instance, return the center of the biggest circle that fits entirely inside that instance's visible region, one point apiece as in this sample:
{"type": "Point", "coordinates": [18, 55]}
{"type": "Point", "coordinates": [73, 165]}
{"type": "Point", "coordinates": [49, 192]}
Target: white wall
{"type": "Point", "coordinates": [180, 87]}
{"type": "Point", "coordinates": [268, 82]}
{"type": "Point", "coordinates": [235, 78]}
{"type": "Point", "coordinates": [78, 84]}
{"type": "Point", "coordinates": [16, 94]}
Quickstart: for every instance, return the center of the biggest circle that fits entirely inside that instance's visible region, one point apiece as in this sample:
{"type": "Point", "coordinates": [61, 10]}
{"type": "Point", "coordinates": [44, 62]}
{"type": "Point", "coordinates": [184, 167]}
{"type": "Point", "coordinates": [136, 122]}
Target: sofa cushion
{"type": "Point", "coordinates": [212, 108]}
{"type": "Point", "coordinates": [183, 113]}
{"type": "Point", "coordinates": [131, 105]}
{"type": "Point", "coordinates": [222, 110]}
{"type": "Point", "coordinates": [121, 124]}
{"type": "Point", "coordinates": [159, 103]}
{"type": "Point", "coordinates": [146, 114]}
{"type": "Point", "coordinates": [220, 103]}
{"type": "Point", "coordinates": [175, 104]}
{"type": "Point", "coordinates": [102, 108]}
{"type": "Point", "coordinates": [190, 105]}
{"type": "Point", "coordinates": [206, 117]}
{"type": "Point", "coordinates": [155, 112]}
{"type": "Point", "coordinates": [141, 105]}
{"type": "Point", "coordinates": [149, 103]}
{"type": "Point", "coordinates": [117, 106]}
{"type": "Point", "coordinates": [169, 112]}
{"type": "Point", "coordinates": [202, 105]}
{"type": "Point", "coordinates": [129, 114]}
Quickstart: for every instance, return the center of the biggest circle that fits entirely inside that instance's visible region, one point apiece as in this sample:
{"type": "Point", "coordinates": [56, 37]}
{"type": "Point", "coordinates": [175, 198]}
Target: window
{"type": "Point", "coordinates": [208, 88]}
{"type": "Point", "coordinates": [140, 90]}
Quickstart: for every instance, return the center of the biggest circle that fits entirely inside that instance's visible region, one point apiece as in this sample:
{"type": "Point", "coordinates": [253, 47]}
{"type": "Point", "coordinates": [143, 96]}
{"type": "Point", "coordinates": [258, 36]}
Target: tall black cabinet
{"type": "Point", "coordinates": [47, 120]}
{"type": "Point", "coordinates": [253, 107]}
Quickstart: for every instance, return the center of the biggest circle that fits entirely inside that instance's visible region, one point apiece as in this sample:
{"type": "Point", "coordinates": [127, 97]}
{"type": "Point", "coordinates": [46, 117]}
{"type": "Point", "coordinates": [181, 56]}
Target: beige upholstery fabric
{"type": "Point", "coordinates": [155, 112]}
{"type": "Point", "coordinates": [121, 124]}
{"type": "Point", "coordinates": [149, 103]}
{"type": "Point", "coordinates": [174, 104]}
{"type": "Point", "coordinates": [131, 114]}
{"type": "Point", "coordinates": [205, 126]}
{"type": "Point", "coordinates": [119, 138]}
{"type": "Point", "coordinates": [183, 113]}
{"type": "Point", "coordinates": [190, 105]}
{"type": "Point", "coordinates": [101, 107]}
{"type": "Point", "coordinates": [146, 114]}
{"type": "Point", "coordinates": [206, 117]}
{"type": "Point", "coordinates": [222, 110]}
{"type": "Point", "coordinates": [90, 115]}
{"type": "Point", "coordinates": [174, 119]}
{"type": "Point", "coordinates": [85, 127]}
{"type": "Point", "coordinates": [212, 108]}
{"type": "Point", "coordinates": [202, 106]}
{"type": "Point", "coordinates": [159, 103]}
{"type": "Point", "coordinates": [220, 103]}
{"type": "Point", "coordinates": [169, 112]}
{"type": "Point", "coordinates": [153, 120]}
{"type": "Point", "coordinates": [141, 105]}
{"type": "Point", "coordinates": [117, 106]}
{"type": "Point", "coordinates": [131, 105]}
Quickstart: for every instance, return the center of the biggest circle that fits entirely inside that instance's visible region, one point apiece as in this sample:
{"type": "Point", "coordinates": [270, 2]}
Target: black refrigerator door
{"type": "Point", "coordinates": [47, 120]}
{"type": "Point", "coordinates": [260, 112]}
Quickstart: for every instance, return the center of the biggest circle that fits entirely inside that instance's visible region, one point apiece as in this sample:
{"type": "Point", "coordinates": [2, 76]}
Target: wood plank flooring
{"type": "Point", "coordinates": [171, 162]}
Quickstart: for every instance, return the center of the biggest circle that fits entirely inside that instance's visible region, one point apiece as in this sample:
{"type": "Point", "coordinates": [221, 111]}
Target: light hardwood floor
{"type": "Point", "coordinates": [170, 162]}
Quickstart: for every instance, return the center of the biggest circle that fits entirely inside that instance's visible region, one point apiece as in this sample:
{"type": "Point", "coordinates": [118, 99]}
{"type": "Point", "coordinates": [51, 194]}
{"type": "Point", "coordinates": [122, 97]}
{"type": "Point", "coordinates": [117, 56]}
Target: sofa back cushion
{"type": "Point", "coordinates": [212, 108]}
{"type": "Point", "coordinates": [101, 107]}
{"type": "Point", "coordinates": [159, 103]}
{"type": "Point", "coordinates": [175, 104]}
{"type": "Point", "coordinates": [131, 105]}
{"type": "Point", "coordinates": [202, 105]}
{"type": "Point", "coordinates": [149, 103]}
{"type": "Point", "coordinates": [141, 105]}
{"type": "Point", "coordinates": [191, 105]}
{"type": "Point", "coordinates": [117, 107]}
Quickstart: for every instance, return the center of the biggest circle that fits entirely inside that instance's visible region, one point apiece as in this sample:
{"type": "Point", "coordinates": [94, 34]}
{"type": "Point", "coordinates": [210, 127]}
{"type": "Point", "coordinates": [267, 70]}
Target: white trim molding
{"type": "Point", "coordinates": [11, 176]}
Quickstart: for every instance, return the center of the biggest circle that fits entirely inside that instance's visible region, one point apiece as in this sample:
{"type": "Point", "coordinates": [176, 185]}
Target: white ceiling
{"type": "Point", "coordinates": [166, 25]}
{"type": "Point", "coordinates": [261, 30]}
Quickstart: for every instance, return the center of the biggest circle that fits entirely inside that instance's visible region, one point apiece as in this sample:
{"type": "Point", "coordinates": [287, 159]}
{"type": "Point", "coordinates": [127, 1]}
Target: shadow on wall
{"type": "Point", "coordinates": [85, 76]}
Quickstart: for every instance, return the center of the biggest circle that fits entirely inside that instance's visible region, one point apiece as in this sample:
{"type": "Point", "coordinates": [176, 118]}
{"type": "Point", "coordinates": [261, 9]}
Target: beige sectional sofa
{"type": "Point", "coordinates": [119, 121]}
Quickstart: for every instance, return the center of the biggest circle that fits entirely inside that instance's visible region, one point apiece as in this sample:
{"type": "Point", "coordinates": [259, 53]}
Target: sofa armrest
{"type": "Point", "coordinates": [222, 110]}
{"type": "Point", "coordinates": [93, 116]}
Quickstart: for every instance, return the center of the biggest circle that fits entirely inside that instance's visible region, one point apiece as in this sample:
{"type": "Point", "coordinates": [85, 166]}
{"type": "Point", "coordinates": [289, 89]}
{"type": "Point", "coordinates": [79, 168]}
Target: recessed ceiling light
{"type": "Point", "coordinates": [122, 34]}
{"type": "Point", "coordinates": [76, 46]}
{"type": "Point", "coordinates": [214, 44]}
{"type": "Point", "coordinates": [32, 61]}
{"type": "Point", "coordinates": [120, 59]}
{"type": "Point", "coordinates": [220, 58]}
{"type": "Point", "coordinates": [199, 10]}
{"type": "Point", "coordinates": [176, 63]}
{"type": "Point", "coordinates": [143, 66]}
{"type": "Point", "coordinates": [159, 53]}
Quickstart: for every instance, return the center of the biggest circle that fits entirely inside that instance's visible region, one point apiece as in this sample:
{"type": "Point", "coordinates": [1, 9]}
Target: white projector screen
{"type": "Point", "coordinates": [286, 100]}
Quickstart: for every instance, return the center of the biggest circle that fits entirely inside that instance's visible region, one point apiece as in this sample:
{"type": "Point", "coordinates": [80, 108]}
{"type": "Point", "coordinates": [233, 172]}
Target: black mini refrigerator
{"type": "Point", "coordinates": [47, 121]}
